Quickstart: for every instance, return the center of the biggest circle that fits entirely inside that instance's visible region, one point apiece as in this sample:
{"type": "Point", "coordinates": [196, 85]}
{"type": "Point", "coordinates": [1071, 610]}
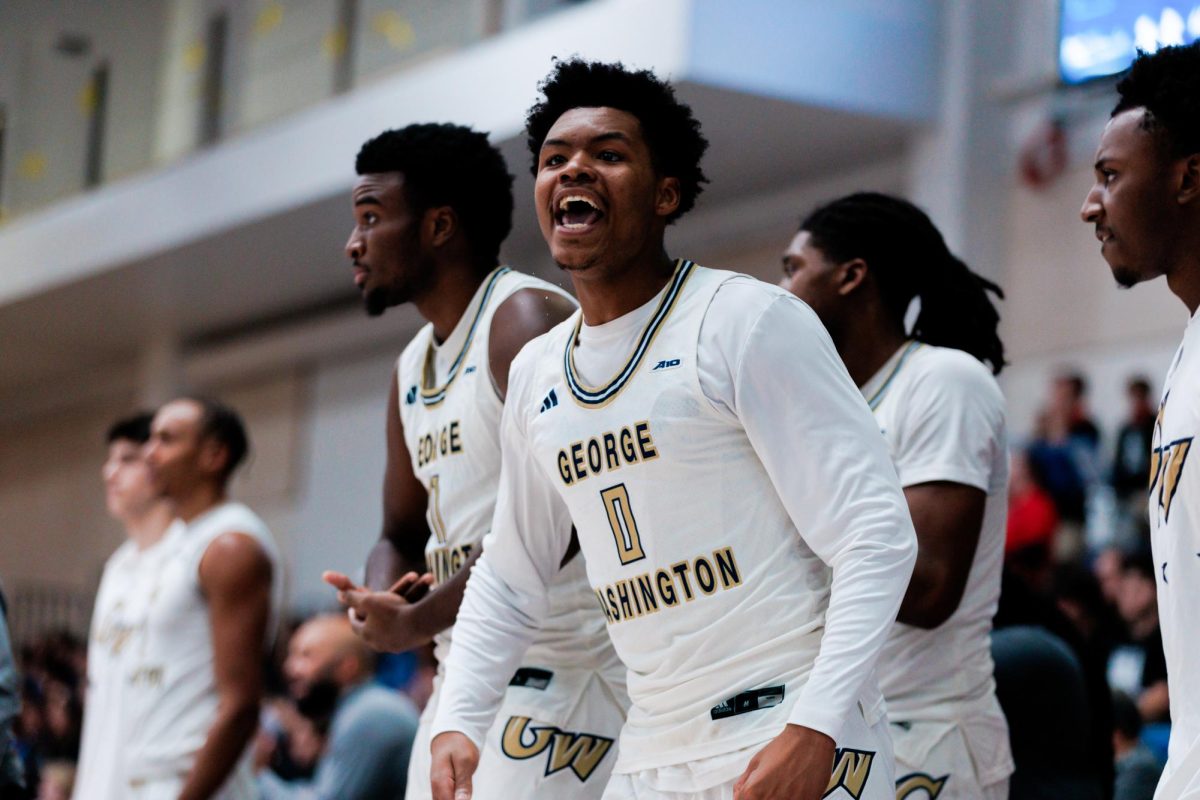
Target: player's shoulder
{"type": "Point", "coordinates": [238, 519]}
{"type": "Point", "coordinates": [950, 371]}
{"type": "Point", "coordinates": [526, 306]}
{"type": "Point", "coordinates": [514, 280]}
{"type": "Point", "coordinates": [743, 299]}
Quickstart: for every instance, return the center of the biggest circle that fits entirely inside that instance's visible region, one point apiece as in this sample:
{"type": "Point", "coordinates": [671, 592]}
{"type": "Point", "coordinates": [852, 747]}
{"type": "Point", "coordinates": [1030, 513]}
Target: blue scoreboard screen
{"type": "Point", "coordinates": [1100, 37]}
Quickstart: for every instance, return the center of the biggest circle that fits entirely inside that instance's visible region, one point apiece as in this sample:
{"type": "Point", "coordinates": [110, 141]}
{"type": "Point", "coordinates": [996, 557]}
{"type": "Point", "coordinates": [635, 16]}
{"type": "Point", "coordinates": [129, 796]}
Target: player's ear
{"type": "Point", "coordinates": [213, 455]}
{"type": "Point", "coordinates": [1189, 180]}
{"type": "Point", "coordinates": [851, 275]}
{"type": "Point", "coordinates": [440, 225]}
{"type": "Point", "coordinates": [667, 198]}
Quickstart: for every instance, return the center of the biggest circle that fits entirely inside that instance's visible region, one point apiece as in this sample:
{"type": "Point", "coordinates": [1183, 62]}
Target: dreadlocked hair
{"type": "Point", "coordinates": [1167, 85]}
{"type": "Point", "coordinates": [907, 257]}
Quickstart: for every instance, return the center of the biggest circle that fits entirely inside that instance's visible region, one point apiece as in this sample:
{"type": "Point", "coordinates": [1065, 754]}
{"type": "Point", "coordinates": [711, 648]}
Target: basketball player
{"type": "Point", "coordinates": [121, 605]}
{"type": "Point", "coordinates": [432, 206]}
{"type": "Point", "coordinates": [744, 531]}
{"type": "Point", "coordinates": [194, 677]}
{"type": "Point", "coordinates": [858, 262]}
{"type": "Point", "coordinates": [1145, 206]}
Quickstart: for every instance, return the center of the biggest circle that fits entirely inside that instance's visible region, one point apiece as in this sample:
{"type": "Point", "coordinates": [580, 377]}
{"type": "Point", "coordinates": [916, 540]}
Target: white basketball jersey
{"type": "Point", "coordinates": [118, 630]}
{"type": "Point", "coordinates": [1175, 539]}
{"type": "Point", "coordinates": [171, 688]}
{"type": "Point", "coordinates": [450, 409]}
{"type": "Point", "coordinates": [681, 529]}
{"type": "Point", "coordinates": [942, 414]}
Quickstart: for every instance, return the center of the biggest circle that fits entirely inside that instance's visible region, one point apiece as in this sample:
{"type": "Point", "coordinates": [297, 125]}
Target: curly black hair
{"type": "Point", "coordinates": [1167, 85]}
{"type": "Point", "coordinates": [449, 165]}
{"type": "Point", "coordinates": [671, 132]}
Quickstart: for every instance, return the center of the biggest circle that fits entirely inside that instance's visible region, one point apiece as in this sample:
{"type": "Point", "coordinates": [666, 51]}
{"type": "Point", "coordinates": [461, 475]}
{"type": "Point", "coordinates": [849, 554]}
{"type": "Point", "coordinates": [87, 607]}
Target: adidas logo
{"type": "Point", "coordinates": [411, 397]}
{"type": "Point", "coordinates": [670, 363]}
{"type": "Point", "coordinates": [549, 402]}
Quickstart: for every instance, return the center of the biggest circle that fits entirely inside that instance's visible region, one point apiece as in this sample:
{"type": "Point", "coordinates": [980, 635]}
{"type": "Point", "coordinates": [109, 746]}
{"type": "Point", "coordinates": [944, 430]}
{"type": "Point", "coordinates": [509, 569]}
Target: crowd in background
{"type": "Point", "coordinates": [1077, 641]}
{"type": "Point", "coordinates": [1078, 565]}
{"type": "Point", "coordinates": [292, 739]}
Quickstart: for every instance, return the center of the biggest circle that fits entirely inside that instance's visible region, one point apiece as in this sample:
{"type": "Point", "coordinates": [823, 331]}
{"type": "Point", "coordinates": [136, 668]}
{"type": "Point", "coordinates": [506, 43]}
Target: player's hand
{"type": "Point", "coordinates": [385, 620]}
{"type": "Point", "coordinates": [795, 765]}
{"type": "Point", "coordinates": [453, 764]}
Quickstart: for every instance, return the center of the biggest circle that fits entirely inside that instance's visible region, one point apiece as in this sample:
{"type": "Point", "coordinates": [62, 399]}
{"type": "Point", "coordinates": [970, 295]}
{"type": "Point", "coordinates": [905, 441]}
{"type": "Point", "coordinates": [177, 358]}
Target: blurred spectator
{"type": "Point", "coordinates": [58, 781]}
{"type": "Point", "coordinates": [1137, 767]}
{"type": "Point", "coordinates": [371, 728]}
{"type": "Point", "coordinates": [48, 728]}
{"type": "Point", "coordinates": [1131, 465]}
{"type": "Point", "coordinates": [1139, 667]}
{"type": "Point", "coordinates": [1107, 568]}
{"type": "Point", "coordinates": [1040, 685]}
{"type": "Point", "coordinates": [1065, 450]}
{"type": "Point", "coordinates": [1023, 606]}
{"type": "Point", "coordinates": [288, 743]}
{"type": "Point", "coordinates": [1079, 597]}
{"type": "Point", "coordinates": [1032, 516]}
{"type": "Point", "coordinates": [12, 778]}
{"type": "Point", "coordinates": [1068, 409]}
{"type": "Point", "coordinates": [1131, 461]}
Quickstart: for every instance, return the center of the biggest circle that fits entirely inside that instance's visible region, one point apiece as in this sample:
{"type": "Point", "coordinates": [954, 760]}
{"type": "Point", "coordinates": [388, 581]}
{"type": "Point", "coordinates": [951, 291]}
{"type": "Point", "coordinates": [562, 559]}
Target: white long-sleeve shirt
{"type": "Point", "coordinates": [742, 524]}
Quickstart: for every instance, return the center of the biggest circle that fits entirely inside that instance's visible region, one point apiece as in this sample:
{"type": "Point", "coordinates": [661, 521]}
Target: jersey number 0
{"type": "Point", "coordinates": [624, 526]}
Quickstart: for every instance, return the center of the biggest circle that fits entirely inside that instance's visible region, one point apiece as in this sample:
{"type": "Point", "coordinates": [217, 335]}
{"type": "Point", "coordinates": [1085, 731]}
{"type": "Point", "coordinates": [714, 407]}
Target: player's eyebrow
{"type": "Point", "coordinates": [602, 137]}
{"type": "Point", "coordinates": [367, 200]}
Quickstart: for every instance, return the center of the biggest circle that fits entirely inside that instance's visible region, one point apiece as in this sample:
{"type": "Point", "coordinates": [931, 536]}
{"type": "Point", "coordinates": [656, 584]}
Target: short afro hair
{"type": "Point", "coordinates": [449, 165]}
{"type": "Point", "coordinates": [1167, 85]}
{"type": "Point", "coordinates": [134, 428]}
{"type": "Point", "coordinates": [671, 132]}
{"type": "Point", "coordinates": [222, 424]}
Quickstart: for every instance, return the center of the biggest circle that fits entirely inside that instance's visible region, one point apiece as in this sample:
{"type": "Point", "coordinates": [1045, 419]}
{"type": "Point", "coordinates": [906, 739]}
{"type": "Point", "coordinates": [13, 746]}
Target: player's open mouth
{"type": "Point", "coordinates": [360, 276]}
{"type": "Point", "coordinates": [576, 213]}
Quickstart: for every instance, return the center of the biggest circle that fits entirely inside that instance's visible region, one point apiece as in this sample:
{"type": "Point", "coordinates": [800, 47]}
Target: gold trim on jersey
{"type": "Point", "coordinates": [432, 395]}
{"type": "Point", "coordinates": [601, 396]}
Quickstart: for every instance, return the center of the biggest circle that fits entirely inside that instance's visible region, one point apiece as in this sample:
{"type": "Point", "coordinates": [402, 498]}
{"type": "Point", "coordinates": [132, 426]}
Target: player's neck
{"type": "Point", "coordinates": [202, 498]}
{"type": "Point", "coordinates": [1184, 282]}
{"type": "Point", "coordinates": [146, 529]}
{"type": "Point", "coordinates": [449, 296]}
{"type": "Point", "coordinates": [866, 347]}
{"type": "Point", "coordinates": [605, 295]}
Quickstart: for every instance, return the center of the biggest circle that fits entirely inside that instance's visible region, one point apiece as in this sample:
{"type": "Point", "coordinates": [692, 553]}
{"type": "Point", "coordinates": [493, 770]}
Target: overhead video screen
{"type": "Point", "coordinates": [1101, 37]}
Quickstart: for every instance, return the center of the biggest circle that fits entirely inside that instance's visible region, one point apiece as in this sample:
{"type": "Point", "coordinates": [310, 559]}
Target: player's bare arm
{"type": "Point", "coordinates": [401, 545]}
{"type": "Point", "coordinates": [235, 577]}
{"type": "Point", "coordinates": [948, 517]}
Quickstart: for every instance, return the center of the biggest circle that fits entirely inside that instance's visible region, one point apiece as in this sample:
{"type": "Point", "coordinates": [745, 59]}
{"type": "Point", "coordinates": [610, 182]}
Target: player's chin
{"type": "Point", "coordinates": [573, 254]}
{"type": "Point", "coordinates": [1125, 275]}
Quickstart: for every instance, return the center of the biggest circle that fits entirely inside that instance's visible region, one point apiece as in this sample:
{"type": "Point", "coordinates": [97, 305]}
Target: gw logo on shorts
{"type": "Point", "coordinates": [581, 752]}
{"type": "Point", "coordinates": [851, 768]}
{"type": "Point", "coordinates": [918, 785]}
